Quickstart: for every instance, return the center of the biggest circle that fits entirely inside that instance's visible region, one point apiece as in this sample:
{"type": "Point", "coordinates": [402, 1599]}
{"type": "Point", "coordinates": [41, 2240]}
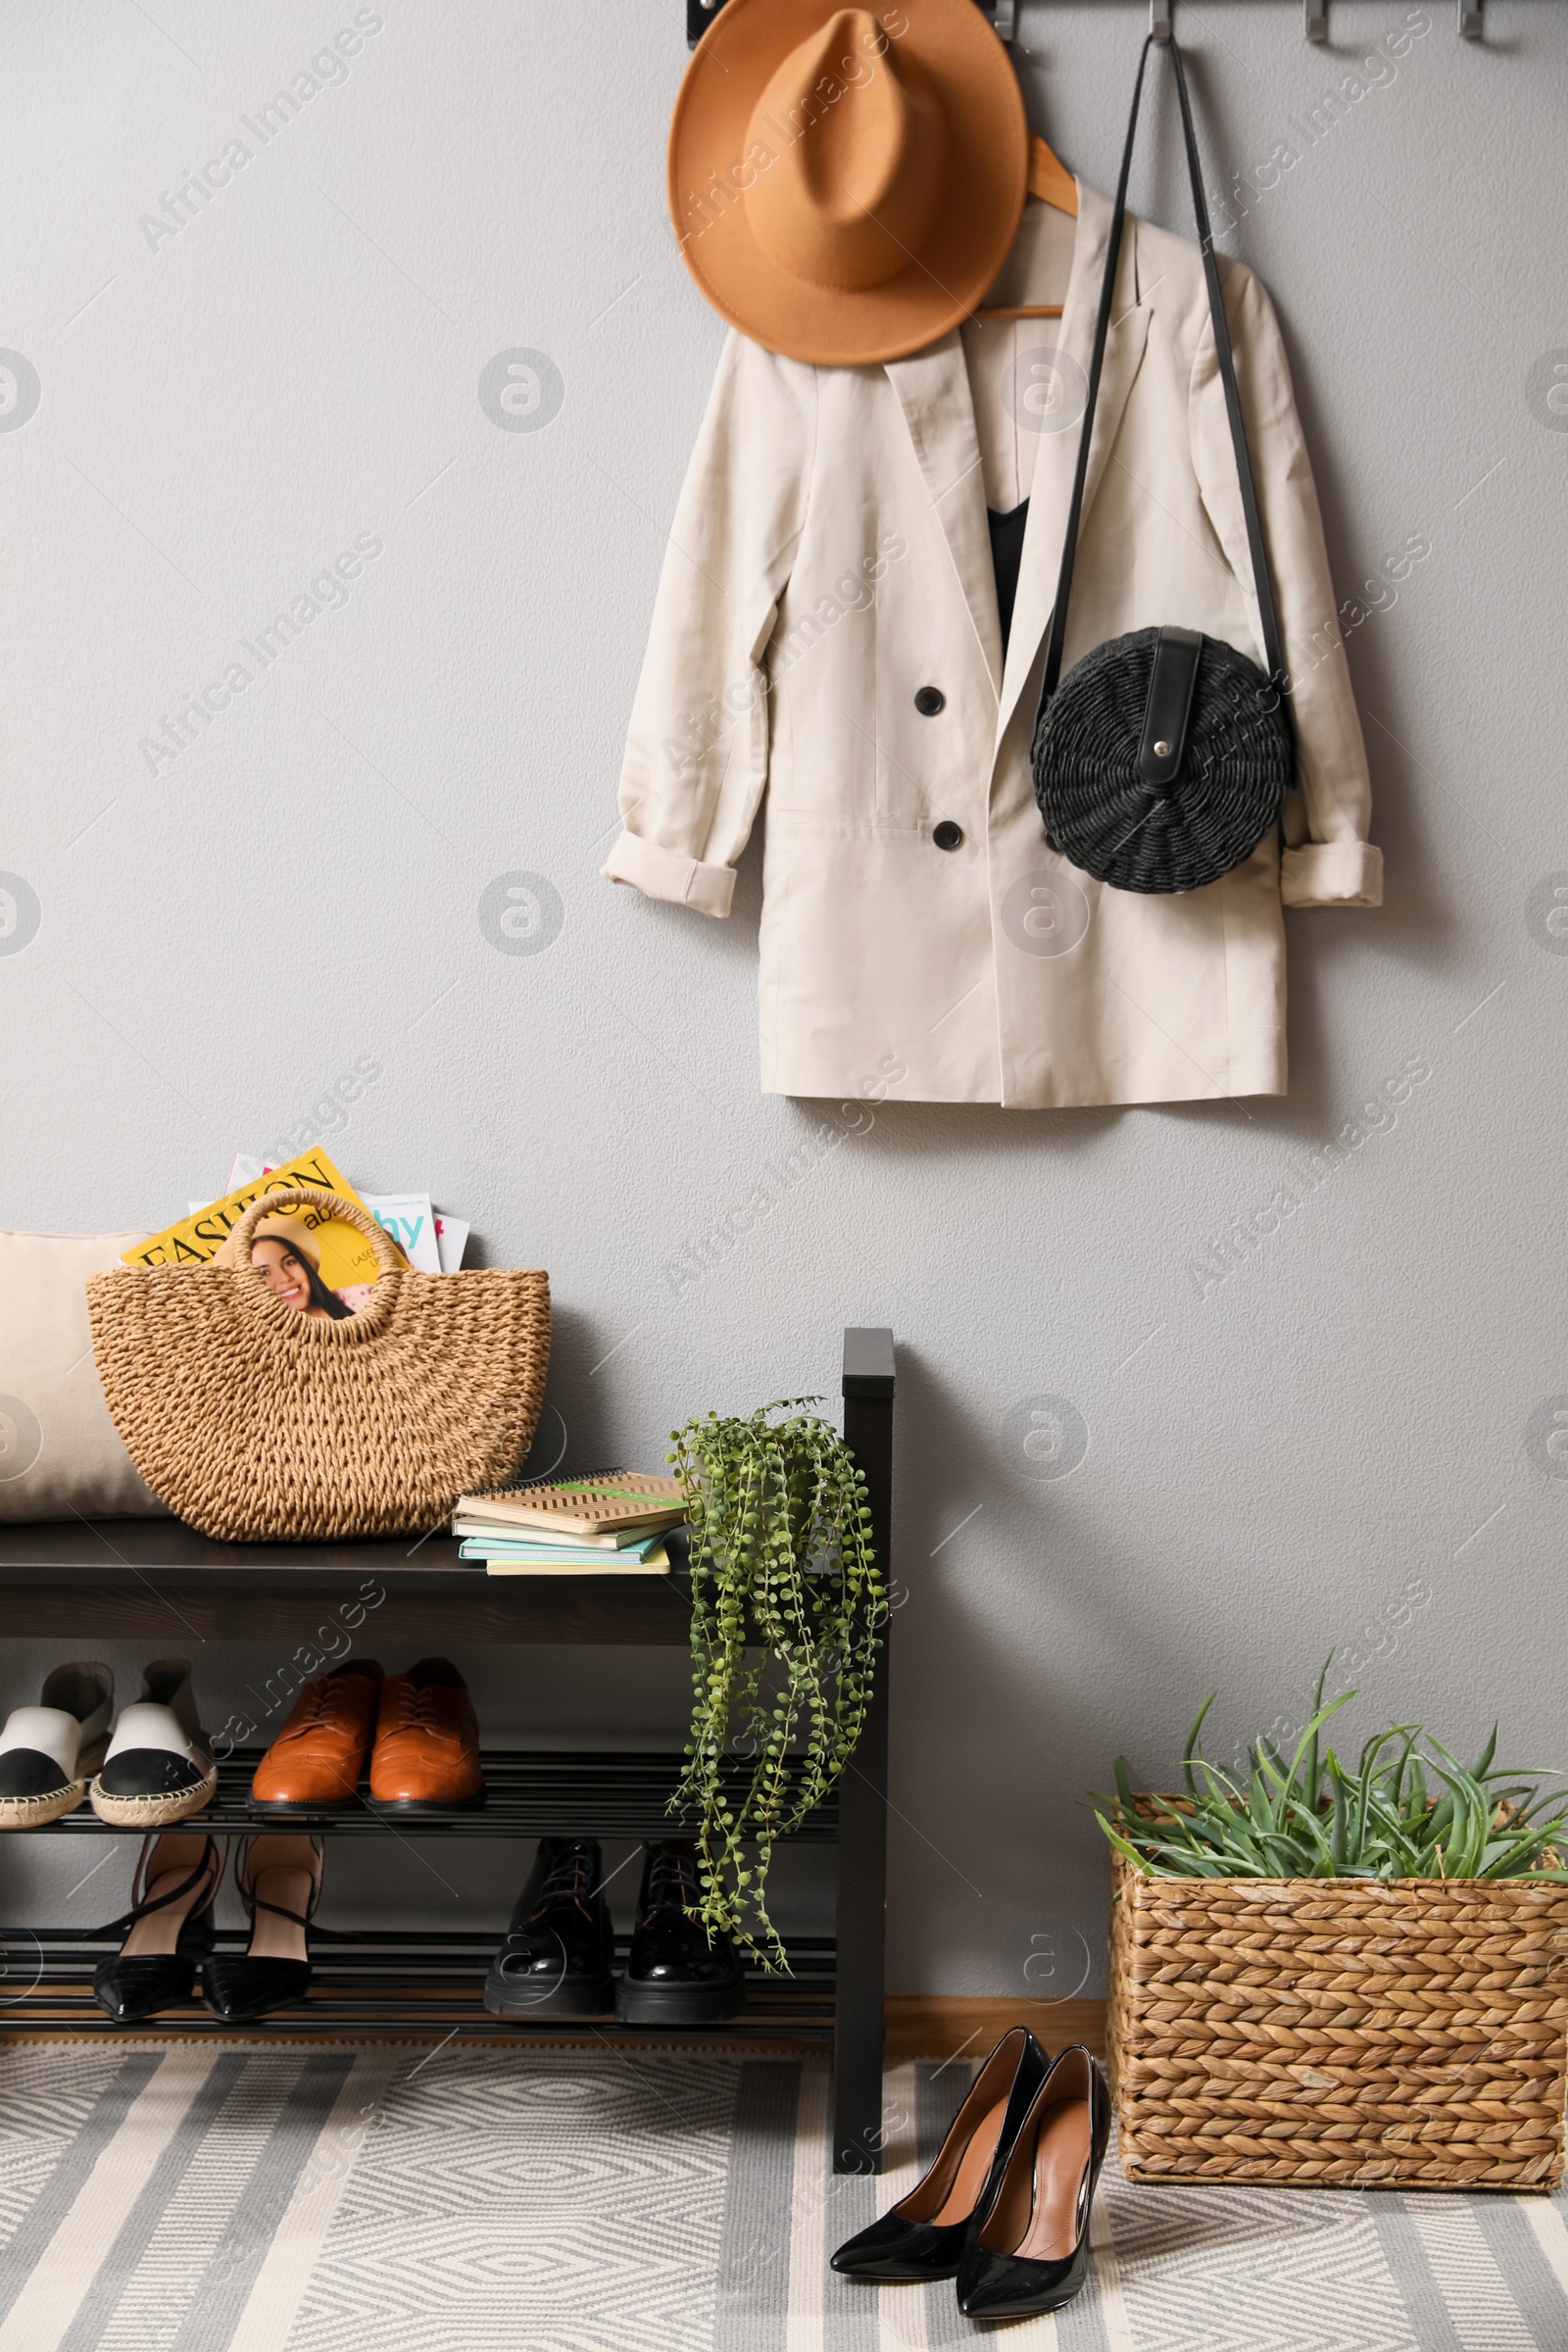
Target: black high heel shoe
{"type": "Point", "coordinates": [279, 1879]}
{"type": "Point", "coordinates": [168, 1930]}
{"type": "Point", "coordinates": [924, 2236]}
{"type": "Point", "coordinates": [1029, 2251]}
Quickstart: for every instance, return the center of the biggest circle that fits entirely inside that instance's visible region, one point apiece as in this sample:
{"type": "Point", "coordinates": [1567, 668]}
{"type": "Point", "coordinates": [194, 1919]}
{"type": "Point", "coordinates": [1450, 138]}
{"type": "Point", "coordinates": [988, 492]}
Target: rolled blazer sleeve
{"type": "Point", "coordinates": [697, 752]}
{"type": "Point", "coordinates": [1328, 860]}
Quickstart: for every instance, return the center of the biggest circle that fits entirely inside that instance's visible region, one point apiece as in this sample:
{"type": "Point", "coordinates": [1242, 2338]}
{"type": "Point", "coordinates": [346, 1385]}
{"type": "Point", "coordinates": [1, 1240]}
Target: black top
{"type": "Point", "coordinates": [1006, 553]}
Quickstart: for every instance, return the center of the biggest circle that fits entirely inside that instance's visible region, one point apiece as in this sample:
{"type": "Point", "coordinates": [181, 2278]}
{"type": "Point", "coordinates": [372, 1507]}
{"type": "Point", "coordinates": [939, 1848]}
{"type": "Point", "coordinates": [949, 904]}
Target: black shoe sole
{"type": "Point", "coordinates": [308, 1809]}
{"type": "Point", "coordinates": [426, 1804]}
{"type": "Point", "coordinates": [570, 1996]}
{"type": "Point", "coordinates": [1031, 2306]}
{"type": "Point", "coordinates": [890, 2274]}
{"type": "Point", "coordinates": [639, 2003]}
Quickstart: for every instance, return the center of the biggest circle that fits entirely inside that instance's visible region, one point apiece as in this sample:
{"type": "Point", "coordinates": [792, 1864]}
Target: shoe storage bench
{"type": "Point", "coordinates": [163, 1585]}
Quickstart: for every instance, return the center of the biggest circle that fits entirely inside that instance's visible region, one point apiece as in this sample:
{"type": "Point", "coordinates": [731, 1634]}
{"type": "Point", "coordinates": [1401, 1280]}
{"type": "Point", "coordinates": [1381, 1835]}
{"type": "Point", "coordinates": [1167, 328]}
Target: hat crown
{"type": "Point", "coordinates": [860, 143]}
{"type": "Point", "coordinates": [293, 1233]}
{"type": "Point", "coordinates": [844, 184]}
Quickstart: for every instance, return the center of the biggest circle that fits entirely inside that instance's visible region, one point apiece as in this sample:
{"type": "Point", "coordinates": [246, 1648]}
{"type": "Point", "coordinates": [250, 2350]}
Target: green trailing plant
{"type": "Point", "coordinates": [787, 1603]}
{"type": "Point", "coordinates": [1407, 1810]}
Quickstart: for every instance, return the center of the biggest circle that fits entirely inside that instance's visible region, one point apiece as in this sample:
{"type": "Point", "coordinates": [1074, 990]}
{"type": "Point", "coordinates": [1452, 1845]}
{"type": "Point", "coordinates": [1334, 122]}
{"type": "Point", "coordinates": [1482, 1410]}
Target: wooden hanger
{"type": "Point", "coordinates": [1051, 180]}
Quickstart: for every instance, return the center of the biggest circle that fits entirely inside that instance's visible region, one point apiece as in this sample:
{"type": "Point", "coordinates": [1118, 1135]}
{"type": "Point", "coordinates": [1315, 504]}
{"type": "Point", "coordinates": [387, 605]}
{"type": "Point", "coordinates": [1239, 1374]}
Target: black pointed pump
{"type": "Point", "coordinates": [924, 2236]}
{"type": "Point", "coordinates": [167, 1932]}
{"type": "Point", "coordinates": [279, 1879]}
{"type": "Point", "coordinates": [1029, 2251]}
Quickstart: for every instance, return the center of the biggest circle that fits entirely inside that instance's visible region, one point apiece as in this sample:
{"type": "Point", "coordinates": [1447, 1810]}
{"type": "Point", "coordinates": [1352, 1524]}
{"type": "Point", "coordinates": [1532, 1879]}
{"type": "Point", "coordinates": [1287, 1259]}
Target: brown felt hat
{"type": "Point", "coordinates": [844, 184]}
{"type": "Point", "coordinates": [282, 1228]}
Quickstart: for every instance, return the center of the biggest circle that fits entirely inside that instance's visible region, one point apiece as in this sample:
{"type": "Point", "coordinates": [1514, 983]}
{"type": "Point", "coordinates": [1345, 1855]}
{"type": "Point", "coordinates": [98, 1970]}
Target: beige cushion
{"type": "Point", "coordinates": [60, 1453]}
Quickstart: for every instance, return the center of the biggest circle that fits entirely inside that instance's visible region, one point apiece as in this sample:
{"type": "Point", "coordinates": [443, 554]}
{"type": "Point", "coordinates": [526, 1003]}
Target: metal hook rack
{"type": "Point", "coordinates": [1004, 16]}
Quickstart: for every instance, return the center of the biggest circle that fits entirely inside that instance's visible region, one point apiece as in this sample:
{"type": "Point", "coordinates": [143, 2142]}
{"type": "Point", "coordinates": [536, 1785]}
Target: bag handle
{"type": "Point", "coordinates": [301, 1196]}
{"type": "Point", "coordinates": [1268, 614]}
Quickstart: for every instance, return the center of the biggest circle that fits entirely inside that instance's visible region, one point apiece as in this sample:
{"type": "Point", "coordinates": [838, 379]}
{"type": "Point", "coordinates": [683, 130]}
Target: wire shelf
{"type": "Point", "coordinates": [529, 1792]}
{"type": "Point", "coordinates": [408, 1985]}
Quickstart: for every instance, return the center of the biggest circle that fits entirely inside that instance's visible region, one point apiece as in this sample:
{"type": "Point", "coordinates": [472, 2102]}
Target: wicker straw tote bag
{"type": "Point", "coordinates": [256, 1422]}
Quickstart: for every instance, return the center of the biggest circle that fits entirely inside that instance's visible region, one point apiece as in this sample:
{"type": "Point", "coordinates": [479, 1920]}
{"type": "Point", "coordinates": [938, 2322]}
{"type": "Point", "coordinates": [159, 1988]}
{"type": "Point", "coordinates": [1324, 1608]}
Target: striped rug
{"type": "Point", "coordinates": [273, 2197]}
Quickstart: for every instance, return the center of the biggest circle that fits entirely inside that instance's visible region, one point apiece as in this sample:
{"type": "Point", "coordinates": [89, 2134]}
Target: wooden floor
{"type": "Point", "coordinates": [936, 2026]}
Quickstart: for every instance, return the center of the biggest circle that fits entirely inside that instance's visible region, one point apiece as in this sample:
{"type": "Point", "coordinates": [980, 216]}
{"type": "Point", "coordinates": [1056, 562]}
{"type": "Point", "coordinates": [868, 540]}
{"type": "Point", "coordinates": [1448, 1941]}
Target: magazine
{"type": "Point", "coordinates": [451, 1240]}
{"type": "Point", "coordinates": [317, 1264]}
{"type": "Point", "coordinates": [434, 1248]}
{"type": "Point", "coordinates": [410, 1221]}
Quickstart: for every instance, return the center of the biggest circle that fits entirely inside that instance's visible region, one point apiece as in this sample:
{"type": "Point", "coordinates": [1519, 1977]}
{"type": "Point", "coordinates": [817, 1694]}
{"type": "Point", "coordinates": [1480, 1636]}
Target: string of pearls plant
{"type": "Point", "coordinates": [787, 1603]}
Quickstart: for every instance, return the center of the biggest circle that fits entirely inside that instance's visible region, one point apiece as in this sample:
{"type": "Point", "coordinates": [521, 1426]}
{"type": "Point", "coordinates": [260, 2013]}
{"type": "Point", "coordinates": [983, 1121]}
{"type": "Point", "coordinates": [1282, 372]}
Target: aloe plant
{"type": "Point", "coordinates": [1408, 1810]}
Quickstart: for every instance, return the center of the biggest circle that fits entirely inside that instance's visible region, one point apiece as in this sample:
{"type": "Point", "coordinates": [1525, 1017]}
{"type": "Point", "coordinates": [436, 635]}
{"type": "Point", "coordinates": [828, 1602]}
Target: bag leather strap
{"type": "Point", "coordinates": [1268, 615]}
{"type": "Point", "coordinates": [1177, 654]}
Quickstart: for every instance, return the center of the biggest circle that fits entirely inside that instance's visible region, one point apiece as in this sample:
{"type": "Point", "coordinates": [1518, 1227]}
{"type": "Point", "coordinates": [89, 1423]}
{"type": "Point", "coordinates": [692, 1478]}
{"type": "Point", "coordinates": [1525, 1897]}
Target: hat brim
{"type": "Point", "coordinates": [293, 1235]}
{"type": "Point", "coordinates": [986, 177]}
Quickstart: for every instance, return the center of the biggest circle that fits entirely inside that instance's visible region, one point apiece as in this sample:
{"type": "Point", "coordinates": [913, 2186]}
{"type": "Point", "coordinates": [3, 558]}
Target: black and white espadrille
{"type": "Point", "coordinates": [159, 1767]}
{"type": "Point", "coordinates": [49, 1752]}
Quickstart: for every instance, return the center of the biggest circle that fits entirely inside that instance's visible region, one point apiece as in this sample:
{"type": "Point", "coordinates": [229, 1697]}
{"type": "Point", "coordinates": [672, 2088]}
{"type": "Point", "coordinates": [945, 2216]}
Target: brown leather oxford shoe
{"type": "Point", "coordinates": [319, 1756]}
{"type": "Point", "coordinates": [426, 1754]}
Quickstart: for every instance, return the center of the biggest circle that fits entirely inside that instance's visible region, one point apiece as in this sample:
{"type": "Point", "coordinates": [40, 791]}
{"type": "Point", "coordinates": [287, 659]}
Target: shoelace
{"type": "Point", "coordinates": [315, 1710]}
{"type": "Point", "coordinates": [567, 1880]}
{"type": "Point", "coordinates": [672, 1878]}
{"type": "Point", "coordinates": [416, 1710]}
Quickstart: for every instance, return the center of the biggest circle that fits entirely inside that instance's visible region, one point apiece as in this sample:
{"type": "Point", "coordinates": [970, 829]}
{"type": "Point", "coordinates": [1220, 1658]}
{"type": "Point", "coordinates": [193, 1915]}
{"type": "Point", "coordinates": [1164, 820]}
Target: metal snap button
{"type": "Point", "coordinates": [929, 700]}
{"type": "Point", "coordinates": [947, 835]}
{"type": "Point", "coordinates": [1162, 751]}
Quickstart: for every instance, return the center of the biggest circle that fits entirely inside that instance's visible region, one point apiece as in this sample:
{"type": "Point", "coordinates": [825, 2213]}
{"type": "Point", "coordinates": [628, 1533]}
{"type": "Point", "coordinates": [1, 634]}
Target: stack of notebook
{"type": "Point", "coordinates": [613, 1524]}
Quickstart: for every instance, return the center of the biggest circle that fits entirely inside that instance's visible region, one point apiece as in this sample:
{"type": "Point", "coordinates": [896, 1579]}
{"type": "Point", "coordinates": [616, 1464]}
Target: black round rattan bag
{"type": "Point", "coordinates": [1238, 760]}
{"type": "Point", "coordinates": [1161, 759]}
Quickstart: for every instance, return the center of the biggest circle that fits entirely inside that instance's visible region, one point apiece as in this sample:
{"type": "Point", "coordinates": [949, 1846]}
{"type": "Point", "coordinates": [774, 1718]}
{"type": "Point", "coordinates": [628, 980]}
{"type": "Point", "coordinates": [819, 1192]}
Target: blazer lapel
{"type": "Point", "coordinates": [1214, 462]}
{"type": "Point", "coordinates": [933, 390]}
{"type": "Point", "coordinates": [1050, 492]}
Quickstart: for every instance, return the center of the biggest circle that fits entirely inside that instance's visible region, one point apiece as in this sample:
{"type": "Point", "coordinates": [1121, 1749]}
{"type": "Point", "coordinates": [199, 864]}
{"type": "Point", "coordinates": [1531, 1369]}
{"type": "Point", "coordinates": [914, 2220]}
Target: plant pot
{"type": "Point", "coordinates": [1347, 2032]}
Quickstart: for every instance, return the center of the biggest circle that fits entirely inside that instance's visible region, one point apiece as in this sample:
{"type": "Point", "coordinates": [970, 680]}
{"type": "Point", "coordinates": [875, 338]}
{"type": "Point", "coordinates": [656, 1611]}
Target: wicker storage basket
{"type": "Point", "coordinates": [255, 1422]}
{"type": "Point", "coordinates": [1351, 2032]}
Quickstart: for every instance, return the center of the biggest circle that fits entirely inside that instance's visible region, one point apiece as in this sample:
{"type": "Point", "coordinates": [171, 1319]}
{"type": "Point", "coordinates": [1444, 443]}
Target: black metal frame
{"type": "Point", "coordinates": [700, 13]}
{"type": "Point", "coordinates": [1003, 15]}
{"type": "Point", "coordinates": [123, 1578]}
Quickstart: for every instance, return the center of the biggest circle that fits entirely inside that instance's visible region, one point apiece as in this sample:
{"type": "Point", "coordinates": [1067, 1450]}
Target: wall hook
{"type": "Point", "coordinates": [1003, 15]}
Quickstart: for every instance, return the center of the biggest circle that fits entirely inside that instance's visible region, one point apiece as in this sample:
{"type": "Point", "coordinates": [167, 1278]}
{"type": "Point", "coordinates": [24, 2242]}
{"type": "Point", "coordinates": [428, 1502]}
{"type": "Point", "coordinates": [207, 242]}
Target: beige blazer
{"type": "Point", "coordinates": [830, 559]}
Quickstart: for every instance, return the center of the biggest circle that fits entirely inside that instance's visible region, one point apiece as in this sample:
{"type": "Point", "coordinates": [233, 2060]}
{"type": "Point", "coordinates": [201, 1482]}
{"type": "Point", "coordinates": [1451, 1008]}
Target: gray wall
{"type": "Point", "coordinates": [1334, 1443]}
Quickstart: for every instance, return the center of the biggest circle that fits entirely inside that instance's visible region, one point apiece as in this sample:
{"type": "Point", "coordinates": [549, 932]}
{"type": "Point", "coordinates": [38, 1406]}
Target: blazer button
{"type": "Point", "coordinates": [947, 835]}
{"type": "Point", "coordinates": [929, 700]}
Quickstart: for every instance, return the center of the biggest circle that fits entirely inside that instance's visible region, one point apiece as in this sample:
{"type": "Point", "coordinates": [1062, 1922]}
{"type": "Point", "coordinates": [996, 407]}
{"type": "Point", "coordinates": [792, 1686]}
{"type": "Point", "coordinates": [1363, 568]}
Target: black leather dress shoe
{"type": "Point", "coordinates": [924, 2235]}
{"type": "Point", "coordinates": [1029, 2251]}
{"type": "Point", "coordinates": [558, 1954]}
{"type": "Point", "coordinates": [675, 1974]}
{"type": "Point", "coordinates": [168, 1930]}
